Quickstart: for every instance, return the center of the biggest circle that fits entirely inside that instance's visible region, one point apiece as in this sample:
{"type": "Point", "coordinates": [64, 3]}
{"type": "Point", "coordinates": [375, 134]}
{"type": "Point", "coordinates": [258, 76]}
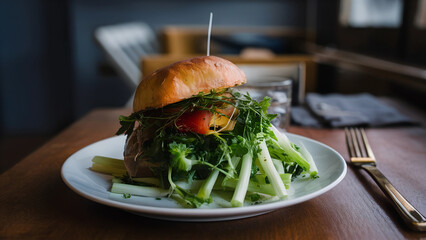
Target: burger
{"type": "Point", "coordinates": [190, 125]}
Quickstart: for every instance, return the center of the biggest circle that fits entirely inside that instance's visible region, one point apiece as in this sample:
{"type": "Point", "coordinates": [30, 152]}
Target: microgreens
{"type": "Point", "coordinates": [190, 156]}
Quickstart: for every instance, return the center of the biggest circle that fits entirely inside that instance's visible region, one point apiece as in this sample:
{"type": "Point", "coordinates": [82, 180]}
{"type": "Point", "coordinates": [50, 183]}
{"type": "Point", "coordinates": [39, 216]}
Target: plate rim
{"type": "Point", "coordinates": [202, 213]}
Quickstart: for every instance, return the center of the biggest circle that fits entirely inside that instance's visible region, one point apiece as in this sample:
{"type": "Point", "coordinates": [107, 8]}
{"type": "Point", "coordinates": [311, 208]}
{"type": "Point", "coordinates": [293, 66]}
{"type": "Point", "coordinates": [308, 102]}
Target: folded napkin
{"type": "Point", "coordinates": [337, 110]}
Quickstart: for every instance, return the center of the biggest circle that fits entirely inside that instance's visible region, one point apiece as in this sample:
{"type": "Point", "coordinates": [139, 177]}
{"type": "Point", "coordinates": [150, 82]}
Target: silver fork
{"type": "Point", "coordinates": [361, 155]}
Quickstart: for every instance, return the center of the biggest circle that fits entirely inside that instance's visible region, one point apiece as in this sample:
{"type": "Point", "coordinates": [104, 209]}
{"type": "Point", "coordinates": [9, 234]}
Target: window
{"type": "Point", "coordinates": [371, 13]}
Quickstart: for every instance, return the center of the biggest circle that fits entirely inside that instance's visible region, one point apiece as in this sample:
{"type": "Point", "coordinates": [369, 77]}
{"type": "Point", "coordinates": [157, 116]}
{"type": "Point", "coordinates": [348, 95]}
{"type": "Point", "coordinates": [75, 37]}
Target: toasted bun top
{"type": "Point", "coordinates": [184, 79]}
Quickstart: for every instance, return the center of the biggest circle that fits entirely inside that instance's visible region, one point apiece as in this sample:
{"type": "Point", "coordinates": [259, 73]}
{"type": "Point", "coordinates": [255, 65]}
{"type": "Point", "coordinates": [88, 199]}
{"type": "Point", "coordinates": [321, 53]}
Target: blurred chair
{"type": "Point", "coordinates": [133, 50]}
{"type": "Point", "coordinates": [125, 45]}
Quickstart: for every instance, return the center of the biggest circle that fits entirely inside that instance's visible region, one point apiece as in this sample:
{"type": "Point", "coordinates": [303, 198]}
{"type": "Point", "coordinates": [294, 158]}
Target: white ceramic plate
{"type": "Point", "coordinates": [95, 186]}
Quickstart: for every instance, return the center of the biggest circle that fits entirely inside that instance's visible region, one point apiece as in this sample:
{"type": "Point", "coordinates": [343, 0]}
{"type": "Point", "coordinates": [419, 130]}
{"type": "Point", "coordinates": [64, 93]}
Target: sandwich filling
{"type": "Point", "coordinates": [201, 115]}
{"type": "Point", "coordinates": [200, 138]}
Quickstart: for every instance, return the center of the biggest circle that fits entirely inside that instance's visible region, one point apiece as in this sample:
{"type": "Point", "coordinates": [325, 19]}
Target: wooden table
{"type": "Point", "coordinates": [35, 202]}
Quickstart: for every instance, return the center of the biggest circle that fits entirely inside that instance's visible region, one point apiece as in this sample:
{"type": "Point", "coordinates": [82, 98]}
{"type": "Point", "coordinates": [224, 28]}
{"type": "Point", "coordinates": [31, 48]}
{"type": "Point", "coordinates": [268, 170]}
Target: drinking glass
{"type": "Point", "coordinates": [278, 89]}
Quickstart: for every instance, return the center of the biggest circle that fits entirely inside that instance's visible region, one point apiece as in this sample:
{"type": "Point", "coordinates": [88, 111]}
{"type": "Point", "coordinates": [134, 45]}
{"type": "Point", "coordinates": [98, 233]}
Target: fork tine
{"type": "Point", "coordinates": [367, 144]}
{"type": "Point", "coordinates": [360, 142]}
{"type": "Point", "coordinates": [355, 141]}
{"type": "Point", "coordinates": [349, 143]}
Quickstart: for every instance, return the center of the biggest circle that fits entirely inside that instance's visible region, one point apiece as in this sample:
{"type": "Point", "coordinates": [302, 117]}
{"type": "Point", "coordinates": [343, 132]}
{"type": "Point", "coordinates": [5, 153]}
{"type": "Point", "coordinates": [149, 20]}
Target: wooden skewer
{"type": "Point", "coordinates": [209, 34]}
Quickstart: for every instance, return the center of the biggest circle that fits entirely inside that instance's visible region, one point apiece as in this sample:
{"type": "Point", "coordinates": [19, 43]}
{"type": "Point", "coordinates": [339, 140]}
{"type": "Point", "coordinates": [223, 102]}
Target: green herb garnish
{"type": "Point", "coordinates": [232, 158]}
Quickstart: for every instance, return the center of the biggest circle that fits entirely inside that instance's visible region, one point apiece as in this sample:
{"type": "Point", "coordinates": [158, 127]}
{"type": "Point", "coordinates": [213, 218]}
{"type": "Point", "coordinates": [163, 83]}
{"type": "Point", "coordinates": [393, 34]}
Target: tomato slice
{"type": "Point", "coordinates": [197, 121]}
